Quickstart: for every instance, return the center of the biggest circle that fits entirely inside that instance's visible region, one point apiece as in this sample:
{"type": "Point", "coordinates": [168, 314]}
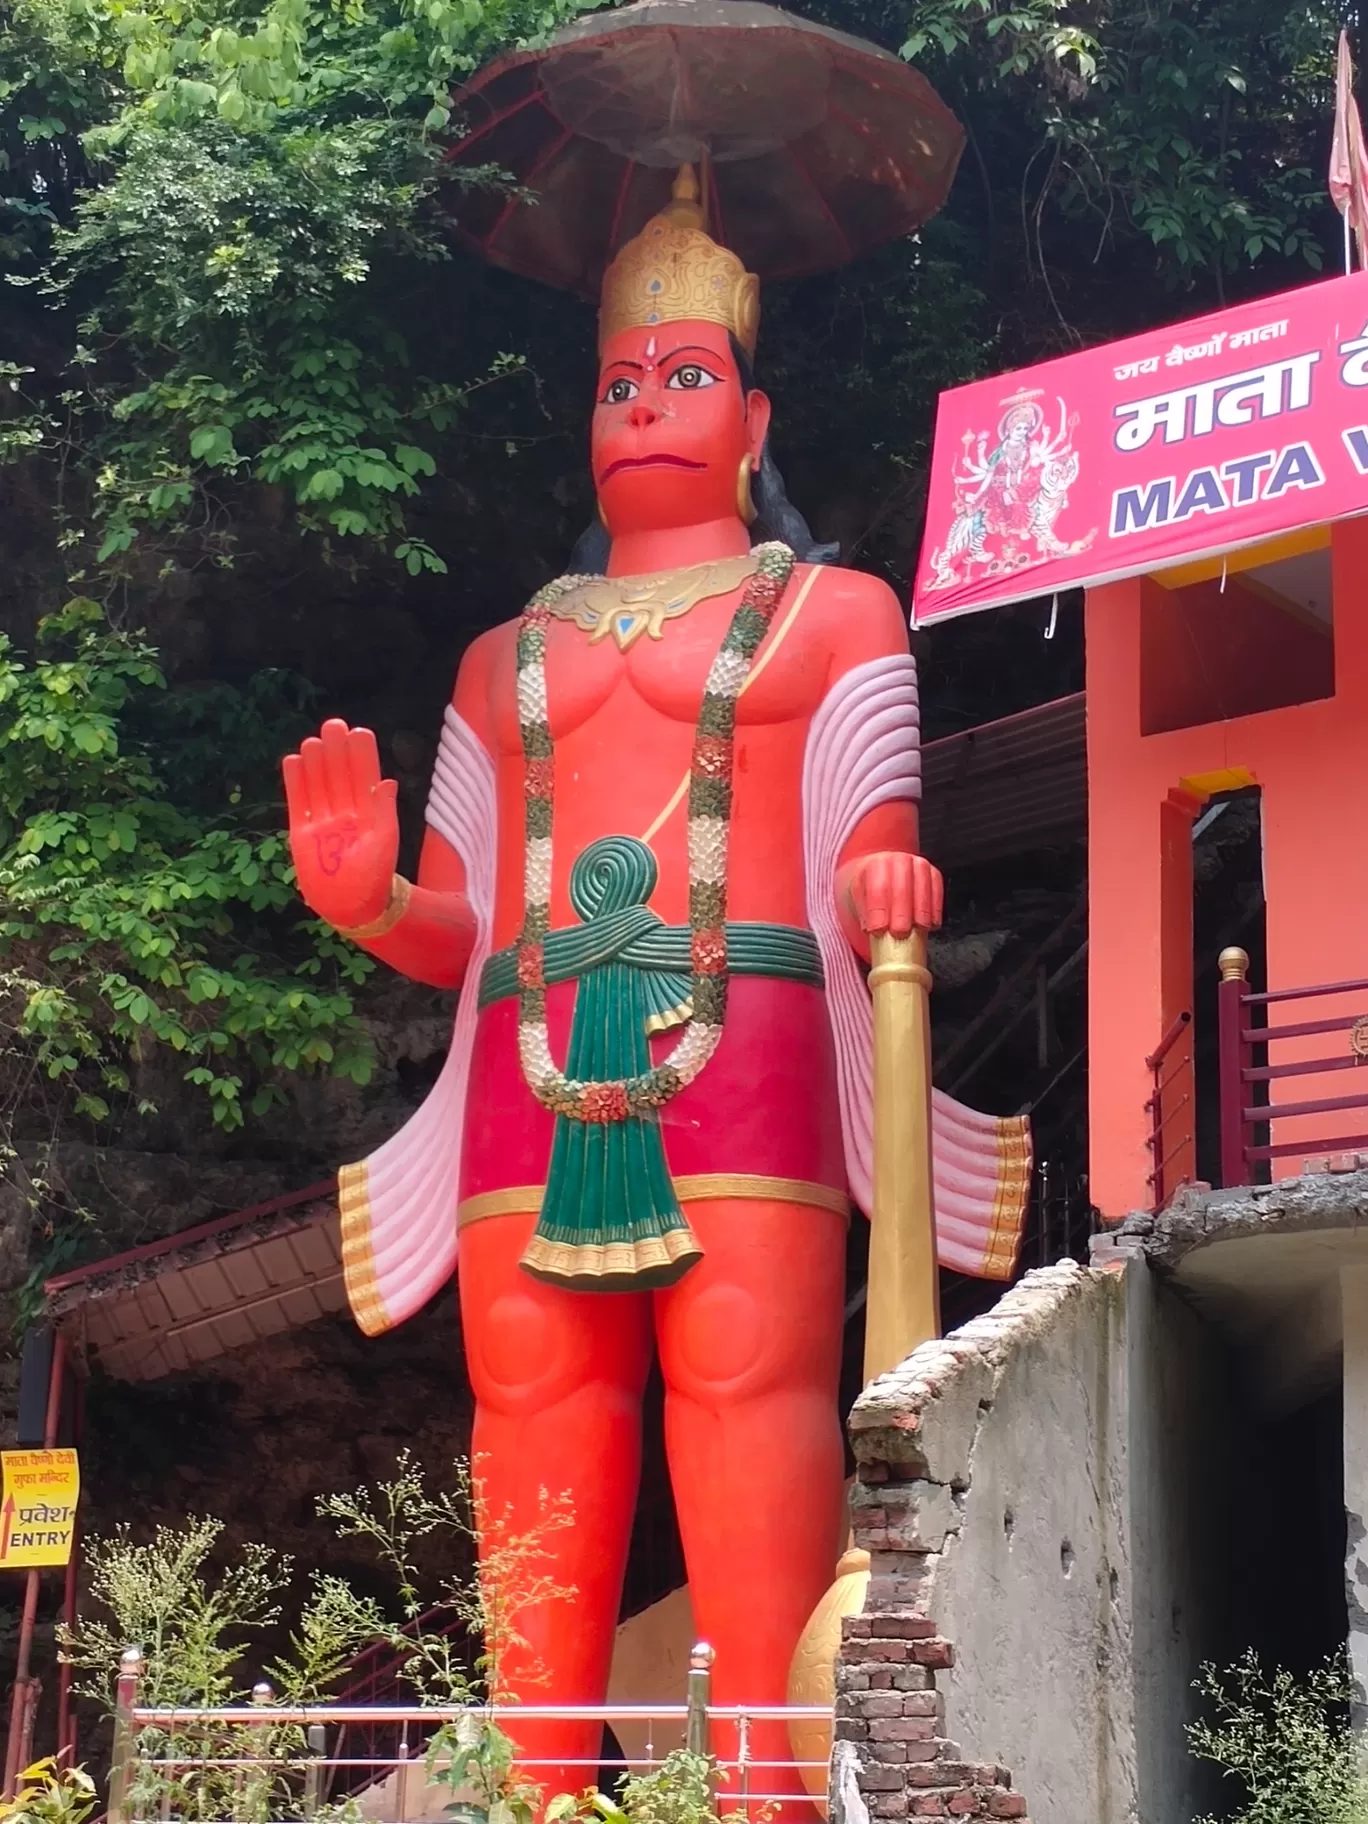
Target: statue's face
{"type": "Point", "coordinates": [672, 423]}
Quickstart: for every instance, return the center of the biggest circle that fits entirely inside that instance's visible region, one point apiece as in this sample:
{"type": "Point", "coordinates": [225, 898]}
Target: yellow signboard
{"type": "Point", "coordinates": [38, 1509]}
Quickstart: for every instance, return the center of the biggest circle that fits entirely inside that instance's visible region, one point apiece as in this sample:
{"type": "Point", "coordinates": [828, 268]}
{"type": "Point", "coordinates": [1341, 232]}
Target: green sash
{"type": "Point", "coordinates": [610, 1219]}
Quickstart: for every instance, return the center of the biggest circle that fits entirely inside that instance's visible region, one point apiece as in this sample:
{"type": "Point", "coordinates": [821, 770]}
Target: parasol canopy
{"type": "Point", "coordinates": [815, 146]}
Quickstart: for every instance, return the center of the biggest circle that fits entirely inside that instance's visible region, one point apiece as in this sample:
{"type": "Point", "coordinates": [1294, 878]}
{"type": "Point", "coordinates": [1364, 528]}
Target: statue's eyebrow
{"type": "Point", "coordinates": [691, 348]}
{"type": "Point", "coordinates": [635, 364]}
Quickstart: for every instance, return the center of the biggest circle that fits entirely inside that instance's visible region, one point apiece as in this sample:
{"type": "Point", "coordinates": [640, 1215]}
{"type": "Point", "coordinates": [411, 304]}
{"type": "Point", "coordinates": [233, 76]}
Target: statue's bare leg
{"type": "Point", "coordinates": [558, 1378]}
{"type": "Point", "coordinates": [750, 1348]}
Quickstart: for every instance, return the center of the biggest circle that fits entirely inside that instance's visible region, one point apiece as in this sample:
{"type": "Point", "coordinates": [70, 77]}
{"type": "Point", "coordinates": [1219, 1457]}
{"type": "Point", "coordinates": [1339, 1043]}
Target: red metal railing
{"type": "Point", "coordinates": [1170, 1108]}
{"type": "Point", "coordinates": [378, 1679]}
{"type": "Point", "coordinates": [1248, 1069]}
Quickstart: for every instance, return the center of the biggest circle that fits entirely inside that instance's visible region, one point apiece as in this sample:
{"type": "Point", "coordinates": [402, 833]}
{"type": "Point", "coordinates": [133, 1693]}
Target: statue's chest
{"type": "Point", "coordinates": [658, 677]}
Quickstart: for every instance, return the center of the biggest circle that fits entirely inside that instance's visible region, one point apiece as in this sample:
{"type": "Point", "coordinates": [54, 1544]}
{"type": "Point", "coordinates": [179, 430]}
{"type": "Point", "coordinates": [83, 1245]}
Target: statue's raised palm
{"type": "Point", "coordinates": [344, 829]}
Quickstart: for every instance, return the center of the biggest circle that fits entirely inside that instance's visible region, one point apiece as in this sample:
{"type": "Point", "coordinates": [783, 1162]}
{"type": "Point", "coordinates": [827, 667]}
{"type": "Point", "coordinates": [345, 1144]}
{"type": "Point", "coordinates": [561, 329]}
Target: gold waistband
{"type": "Point", "coordinates": [697, 1187]}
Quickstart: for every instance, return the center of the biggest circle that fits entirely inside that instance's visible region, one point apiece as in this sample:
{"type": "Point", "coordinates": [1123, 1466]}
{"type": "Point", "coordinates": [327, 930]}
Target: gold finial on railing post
{"type": "Point", "coordinates": [699, 1697]}
{"type": "Point", "coordinates": [125, 1734]}
{"type": "Point", "coordinates": [1233, 1057]}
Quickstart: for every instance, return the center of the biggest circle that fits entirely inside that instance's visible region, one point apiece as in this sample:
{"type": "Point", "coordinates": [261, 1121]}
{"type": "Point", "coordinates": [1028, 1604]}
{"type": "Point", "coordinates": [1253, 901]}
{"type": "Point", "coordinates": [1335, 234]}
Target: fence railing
{"type": "Point", "coordinates": [378, 1679]}
{"type": "Point", "coordinates": [1258, 1049]}
{"type": "Point", "coordinates": [241, 1751]}
{"type": "Point", "coordinates": [1170, 1109]}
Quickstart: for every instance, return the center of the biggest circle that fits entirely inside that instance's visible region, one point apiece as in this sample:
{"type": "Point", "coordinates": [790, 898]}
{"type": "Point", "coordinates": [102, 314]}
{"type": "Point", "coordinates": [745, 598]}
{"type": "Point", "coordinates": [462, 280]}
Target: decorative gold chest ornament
{"type": "Point", "coordinates": [625, 607]}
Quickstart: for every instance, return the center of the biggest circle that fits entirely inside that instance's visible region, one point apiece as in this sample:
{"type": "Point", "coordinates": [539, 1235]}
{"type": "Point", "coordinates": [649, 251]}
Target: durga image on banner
{"type": "Point", "coordinates": [1008, 499]}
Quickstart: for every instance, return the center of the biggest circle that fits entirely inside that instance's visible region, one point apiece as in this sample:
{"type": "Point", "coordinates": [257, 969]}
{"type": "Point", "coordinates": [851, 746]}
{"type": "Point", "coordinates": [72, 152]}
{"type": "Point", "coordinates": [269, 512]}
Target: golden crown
{"type": "Point", "coordinates": [673, 271]}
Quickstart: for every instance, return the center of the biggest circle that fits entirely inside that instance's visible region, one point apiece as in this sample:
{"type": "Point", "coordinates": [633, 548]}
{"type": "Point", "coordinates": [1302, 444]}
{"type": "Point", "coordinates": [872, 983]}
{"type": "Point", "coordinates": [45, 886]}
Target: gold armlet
{"type": "Point", "coordinates": [400, 894]}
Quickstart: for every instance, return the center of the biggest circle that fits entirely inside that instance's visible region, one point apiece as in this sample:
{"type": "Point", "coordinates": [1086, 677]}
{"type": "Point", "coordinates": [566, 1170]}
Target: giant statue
{"type": "Point", "coordinates": [672, 802]}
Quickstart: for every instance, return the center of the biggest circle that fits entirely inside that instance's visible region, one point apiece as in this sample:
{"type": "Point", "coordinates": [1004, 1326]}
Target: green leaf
{"type": "Point", "coordinates": [414, 461]}
{"type": "Point", "coordinates": [323, 484]}
{"type": "Point", "coordinates": [211, 443]}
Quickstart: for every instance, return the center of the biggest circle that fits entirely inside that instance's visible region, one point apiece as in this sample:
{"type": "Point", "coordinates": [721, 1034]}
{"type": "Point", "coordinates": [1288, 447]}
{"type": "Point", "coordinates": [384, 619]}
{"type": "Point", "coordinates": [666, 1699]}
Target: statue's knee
{"type": "Point", "coordinates": [532, 1347]}
{"type": "Point", "coordinates": [526, 1350]}
{"type": "Point", "coordinates": [718, 1344]}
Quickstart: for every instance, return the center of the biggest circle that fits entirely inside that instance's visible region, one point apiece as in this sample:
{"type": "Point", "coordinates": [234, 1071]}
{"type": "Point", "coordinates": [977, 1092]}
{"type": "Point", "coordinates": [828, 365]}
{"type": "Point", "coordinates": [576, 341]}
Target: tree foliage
{"type": "Point", "coordinates": [207, 188]}
{"type": "Point", "coordinates": [130, 863]}
{"type": "Point", "coordinates": [146, 895]}
{"type": "Point", "coordinates": [1184, 146]}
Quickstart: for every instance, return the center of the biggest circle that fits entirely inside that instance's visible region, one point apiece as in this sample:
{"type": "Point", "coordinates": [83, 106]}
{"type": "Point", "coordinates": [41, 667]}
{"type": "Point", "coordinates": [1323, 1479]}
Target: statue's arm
{"type": "Point", "coordinates": [344, 837]}
{"type": "Point", "coordinates": [883, 882]}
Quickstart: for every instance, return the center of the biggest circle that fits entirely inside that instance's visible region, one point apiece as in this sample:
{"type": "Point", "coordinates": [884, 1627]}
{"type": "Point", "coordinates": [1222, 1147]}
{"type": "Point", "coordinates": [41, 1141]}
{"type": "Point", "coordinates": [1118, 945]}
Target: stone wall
{"type": "Point", "coordinates": [1031, 1489]}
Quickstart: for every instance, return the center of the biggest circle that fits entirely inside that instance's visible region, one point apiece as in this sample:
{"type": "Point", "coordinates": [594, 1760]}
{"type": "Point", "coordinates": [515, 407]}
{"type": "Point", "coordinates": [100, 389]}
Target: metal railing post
{"type": "Point", "coordinates": [259, 1778]}
{"type": "Point", "coordinates": [401, 1776]}
{"type": "Point", "coordinates": [1233, 1056]}
{"type": "Point", "coordinates": [125, 1734]}
{"type": "Point", "coordinates": [699, 1698]}
{"type": "Point", "coordinates": [316, 1739]}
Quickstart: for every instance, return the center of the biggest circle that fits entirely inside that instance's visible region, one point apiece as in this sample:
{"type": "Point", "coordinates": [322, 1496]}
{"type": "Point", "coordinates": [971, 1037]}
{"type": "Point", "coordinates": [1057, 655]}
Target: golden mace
{"type": "Point", "coordinates": [902, 1305]}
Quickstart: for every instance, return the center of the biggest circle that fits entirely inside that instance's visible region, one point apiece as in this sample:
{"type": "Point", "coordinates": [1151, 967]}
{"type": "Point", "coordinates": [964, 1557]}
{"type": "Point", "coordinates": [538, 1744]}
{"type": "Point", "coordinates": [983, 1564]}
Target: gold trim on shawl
{"type": "Point", "coordinates": [358, 1258]}
{"type": "Point", "coordinates": [698, 1187]}
{"type": "Point", "coordinates": [1014, 1155]}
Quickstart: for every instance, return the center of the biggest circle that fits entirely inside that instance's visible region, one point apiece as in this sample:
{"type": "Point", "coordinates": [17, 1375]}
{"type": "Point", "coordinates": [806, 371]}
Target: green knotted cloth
{"type": "Point", "coordinates": [610, 1219]}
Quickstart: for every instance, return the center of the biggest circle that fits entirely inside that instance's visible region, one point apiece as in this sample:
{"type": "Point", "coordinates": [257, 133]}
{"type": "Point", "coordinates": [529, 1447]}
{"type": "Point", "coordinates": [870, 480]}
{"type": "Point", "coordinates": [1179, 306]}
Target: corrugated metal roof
{"type": "Point", "coordinates": [1007, 786]}
{"type": "Point", "coordinates": [179, 1302]}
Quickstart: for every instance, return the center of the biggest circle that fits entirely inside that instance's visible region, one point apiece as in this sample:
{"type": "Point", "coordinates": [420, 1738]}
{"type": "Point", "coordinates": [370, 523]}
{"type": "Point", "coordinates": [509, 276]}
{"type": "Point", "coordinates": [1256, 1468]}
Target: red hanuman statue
{"type": "Point", "coordinates": [671, 803]}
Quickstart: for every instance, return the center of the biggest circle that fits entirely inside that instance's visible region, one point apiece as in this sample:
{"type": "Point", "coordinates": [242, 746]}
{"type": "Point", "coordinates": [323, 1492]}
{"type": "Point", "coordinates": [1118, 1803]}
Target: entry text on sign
{"type": "Point", "coordinates": [38, 1511]}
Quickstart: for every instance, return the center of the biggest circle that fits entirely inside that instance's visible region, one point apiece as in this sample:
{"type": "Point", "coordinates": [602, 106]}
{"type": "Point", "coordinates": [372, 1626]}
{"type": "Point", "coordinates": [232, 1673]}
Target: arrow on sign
{"type": "Point", "coordinates": [7, 1515]}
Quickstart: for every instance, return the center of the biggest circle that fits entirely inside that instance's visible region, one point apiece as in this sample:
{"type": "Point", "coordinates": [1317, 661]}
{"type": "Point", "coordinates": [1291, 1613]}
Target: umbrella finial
{"type": "Point", "coordinates": [685, 205]}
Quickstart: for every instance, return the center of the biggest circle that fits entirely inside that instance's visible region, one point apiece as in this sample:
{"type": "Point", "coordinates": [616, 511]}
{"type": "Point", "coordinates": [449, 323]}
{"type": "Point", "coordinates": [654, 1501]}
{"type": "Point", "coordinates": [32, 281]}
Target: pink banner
{"type": "Point", "coordinates": [1170, 446]}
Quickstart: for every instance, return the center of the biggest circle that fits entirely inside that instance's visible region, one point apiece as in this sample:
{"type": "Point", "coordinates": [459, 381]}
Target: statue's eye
{"type": "Point", "coordinates": [619, 391]}
{"type": "Point", "coordinates": [691, 376]}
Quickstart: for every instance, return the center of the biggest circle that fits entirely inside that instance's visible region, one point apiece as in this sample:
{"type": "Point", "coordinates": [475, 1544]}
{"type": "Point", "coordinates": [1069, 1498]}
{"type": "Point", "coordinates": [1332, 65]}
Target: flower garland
{"type": "Point", "coordinates": [710, 806]}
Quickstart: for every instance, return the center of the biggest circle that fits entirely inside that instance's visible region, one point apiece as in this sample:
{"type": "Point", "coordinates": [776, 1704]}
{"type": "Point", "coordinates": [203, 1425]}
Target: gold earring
{"type": "Point", "coordinates": [745, 504]}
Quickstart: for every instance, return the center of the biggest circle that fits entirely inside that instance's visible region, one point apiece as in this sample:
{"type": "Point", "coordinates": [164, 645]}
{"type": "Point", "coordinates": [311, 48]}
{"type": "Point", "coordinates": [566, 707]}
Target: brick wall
{"type": "Point", "coordinates": [887, 1705]}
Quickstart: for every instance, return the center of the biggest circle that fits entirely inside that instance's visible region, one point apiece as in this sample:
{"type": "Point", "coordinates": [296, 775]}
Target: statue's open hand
{"type": "Point", "coordinates": [344, 828]}
{"type": "Point", "coordinates": [895, 892]}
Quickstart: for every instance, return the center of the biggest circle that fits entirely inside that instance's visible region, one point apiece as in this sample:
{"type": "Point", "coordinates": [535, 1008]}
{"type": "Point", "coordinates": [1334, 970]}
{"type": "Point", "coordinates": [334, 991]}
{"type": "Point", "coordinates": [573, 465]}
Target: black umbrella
{"type": "Point", "coordinates": [815, 147]}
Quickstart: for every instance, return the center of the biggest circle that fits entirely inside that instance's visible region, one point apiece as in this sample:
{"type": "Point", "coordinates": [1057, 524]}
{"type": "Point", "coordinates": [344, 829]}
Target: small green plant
{"type": "Point", "coordinates": [682, 1790]}
{"type": "Point", "coordinates": [1285, 1739]}
{"type": "Point", "coordinates": [50, 1794]}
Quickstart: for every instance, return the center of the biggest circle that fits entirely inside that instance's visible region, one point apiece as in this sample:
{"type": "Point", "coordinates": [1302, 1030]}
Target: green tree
{"type": "Point", "coordinates": [147, 902]}
{"type": "Point", "coordinates": [207, 190]}
{"type": "Point", "coordinates": [1184, 145]}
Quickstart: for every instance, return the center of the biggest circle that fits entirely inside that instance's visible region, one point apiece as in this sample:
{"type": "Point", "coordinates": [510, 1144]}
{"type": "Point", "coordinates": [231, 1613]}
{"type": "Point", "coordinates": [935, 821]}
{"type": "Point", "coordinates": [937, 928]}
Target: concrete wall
{"type": "Point", "coordinates": [1033, 1588]}
{"type": "Point", "coordinates": [1048, 1482]}
{"type": "Point", "coordinates": [1187, 1473]}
